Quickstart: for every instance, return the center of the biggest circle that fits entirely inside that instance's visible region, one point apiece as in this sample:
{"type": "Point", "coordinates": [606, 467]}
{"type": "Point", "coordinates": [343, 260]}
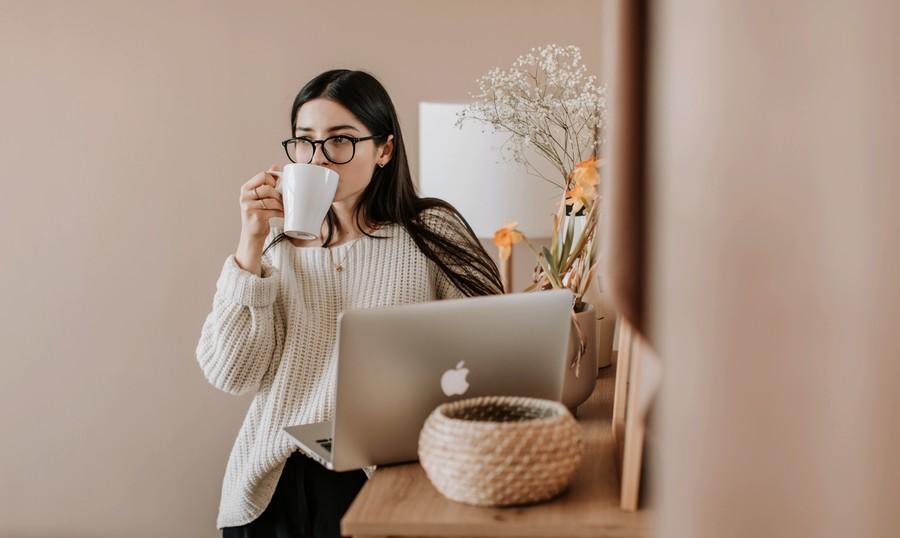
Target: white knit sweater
{"type": "Point", "coordinates": [275, 334]}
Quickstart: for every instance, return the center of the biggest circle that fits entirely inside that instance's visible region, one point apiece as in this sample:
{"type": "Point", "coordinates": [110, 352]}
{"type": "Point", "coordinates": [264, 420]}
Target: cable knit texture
{"type": "Point", "coordinates": [275, 335]}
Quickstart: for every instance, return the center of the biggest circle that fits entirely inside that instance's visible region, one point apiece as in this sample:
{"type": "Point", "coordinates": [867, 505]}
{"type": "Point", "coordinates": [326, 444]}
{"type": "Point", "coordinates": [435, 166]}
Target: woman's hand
{"type": "Point", "coordinates": [259, 202]}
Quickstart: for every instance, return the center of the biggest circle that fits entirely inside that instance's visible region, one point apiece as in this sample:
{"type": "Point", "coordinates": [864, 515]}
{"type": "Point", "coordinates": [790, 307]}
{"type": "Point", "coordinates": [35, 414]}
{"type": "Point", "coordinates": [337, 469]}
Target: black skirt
{"type": "Point", "coordinates": [309, 502]}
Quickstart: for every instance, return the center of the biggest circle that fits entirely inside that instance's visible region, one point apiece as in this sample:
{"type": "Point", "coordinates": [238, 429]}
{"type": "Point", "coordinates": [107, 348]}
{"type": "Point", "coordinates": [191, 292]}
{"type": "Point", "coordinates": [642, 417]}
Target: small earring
{"type": "Point", "coordinates": [380, 165]}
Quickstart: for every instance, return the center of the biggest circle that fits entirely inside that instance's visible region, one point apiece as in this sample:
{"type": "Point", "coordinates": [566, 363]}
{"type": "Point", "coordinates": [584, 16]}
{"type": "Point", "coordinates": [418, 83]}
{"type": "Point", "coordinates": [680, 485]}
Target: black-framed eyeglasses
{"type": "Point", "coordinates": [339, 149]}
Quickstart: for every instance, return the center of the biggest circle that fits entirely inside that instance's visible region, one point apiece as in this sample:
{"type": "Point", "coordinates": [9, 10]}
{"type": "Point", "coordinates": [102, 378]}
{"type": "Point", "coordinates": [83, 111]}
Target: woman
{"type": "Point", "coordinates": [274, 314]}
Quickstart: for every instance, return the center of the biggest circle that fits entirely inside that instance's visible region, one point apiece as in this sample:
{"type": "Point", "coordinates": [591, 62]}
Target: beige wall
{"type": "Point", "coordinates": [127, 130]}
{"type": "Point", "coordinates": [774, 267]}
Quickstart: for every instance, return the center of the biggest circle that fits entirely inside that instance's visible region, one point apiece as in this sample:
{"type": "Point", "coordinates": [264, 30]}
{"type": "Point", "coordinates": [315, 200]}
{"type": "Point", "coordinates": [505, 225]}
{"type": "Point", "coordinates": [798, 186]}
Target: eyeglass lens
{"type": "Point", "coordinates": [338, 150]}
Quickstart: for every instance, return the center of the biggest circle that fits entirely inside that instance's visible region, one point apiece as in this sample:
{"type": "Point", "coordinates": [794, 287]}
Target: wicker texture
{"type": "Point", "coordinates": [500, 450]}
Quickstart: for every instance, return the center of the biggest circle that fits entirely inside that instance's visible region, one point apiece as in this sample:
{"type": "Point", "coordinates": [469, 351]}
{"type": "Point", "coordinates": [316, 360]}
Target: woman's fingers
{"type": "Point", "coordinates": [259, 202]}
{"type": "Point", "coordinates": [262, 191]}
{"type": "Point", "coordinates": [262, 178]}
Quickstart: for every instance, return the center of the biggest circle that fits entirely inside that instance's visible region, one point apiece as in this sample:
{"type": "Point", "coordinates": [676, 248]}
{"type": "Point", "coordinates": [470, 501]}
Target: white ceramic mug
{"type": "Point", "coordinates": [307, 191]}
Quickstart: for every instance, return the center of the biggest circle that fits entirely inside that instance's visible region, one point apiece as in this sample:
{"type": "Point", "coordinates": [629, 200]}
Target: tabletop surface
{"type": "Point", "coordinates": [399, 500]}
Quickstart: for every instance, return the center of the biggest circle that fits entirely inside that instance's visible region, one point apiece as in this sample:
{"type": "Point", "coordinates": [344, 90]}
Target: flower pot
{"type": "Point", "coordinates": [579, 382]}
{"type": "Point", "coordinates": [578, 222]}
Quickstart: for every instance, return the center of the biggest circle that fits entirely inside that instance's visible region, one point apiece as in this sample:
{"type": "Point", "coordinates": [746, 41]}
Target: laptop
{"type": "Point", "coordinates": [396, 364]}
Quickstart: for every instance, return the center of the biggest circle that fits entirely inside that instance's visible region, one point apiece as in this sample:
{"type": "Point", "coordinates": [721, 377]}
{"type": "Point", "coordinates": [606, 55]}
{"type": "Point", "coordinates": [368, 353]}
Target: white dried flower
{"type": "Point", "coordinates": [546, 101]}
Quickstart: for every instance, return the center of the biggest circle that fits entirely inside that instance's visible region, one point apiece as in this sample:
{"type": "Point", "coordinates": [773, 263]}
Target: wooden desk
{"type": "Point", "coordinates": [399, 500]}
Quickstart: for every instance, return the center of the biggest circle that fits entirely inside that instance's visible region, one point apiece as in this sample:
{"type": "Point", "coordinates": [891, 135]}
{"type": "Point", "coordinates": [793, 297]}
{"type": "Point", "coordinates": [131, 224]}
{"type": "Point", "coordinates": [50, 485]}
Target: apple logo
{"type": "Point", "coordinates": [454, 381]}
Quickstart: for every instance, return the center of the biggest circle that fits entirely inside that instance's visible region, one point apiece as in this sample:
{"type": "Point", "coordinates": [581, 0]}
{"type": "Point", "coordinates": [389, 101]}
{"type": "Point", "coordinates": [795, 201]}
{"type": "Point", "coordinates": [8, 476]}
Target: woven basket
{"type": "Point", "coordinates": [500, 450]}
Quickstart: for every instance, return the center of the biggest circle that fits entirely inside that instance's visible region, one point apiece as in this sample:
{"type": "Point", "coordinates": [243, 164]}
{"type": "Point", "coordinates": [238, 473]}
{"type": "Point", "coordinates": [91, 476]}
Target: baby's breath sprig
{"type": "Point", "coordinates": [546, 101]}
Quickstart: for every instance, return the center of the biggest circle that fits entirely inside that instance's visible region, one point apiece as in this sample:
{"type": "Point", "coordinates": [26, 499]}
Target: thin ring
{"type": "Point", "coordinates": [256, 193]}
{"type": "Point", "coordinates": [263, 203]}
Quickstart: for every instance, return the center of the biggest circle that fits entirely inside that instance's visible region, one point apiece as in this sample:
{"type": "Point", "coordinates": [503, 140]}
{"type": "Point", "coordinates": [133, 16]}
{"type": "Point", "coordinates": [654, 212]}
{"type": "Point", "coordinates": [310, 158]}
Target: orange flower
{"type": "Point", "coordinates": [585, 173]}
{"type": "Point", "coordinates": [575, 197]}
{"type": "Point", "coordinates": [584, 191]}
{"type": "Point", "coordinates": [506, 237]}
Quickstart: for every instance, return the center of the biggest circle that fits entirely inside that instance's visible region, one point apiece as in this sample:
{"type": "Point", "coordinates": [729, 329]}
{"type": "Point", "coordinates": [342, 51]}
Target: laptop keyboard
{"type": "Point", "coordinates": [326, 443]}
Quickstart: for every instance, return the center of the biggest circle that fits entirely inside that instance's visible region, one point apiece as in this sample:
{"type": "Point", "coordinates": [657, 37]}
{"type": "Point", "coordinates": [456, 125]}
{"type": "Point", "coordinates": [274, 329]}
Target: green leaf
{"type": "Point", "coordinates": [545, 264]}
{"type": "Point", "coordinates": [550, 259]}
{"type": "Point", "coordinates": [567, 244]}
{"type": "Point", "coordinates": [554, 247]}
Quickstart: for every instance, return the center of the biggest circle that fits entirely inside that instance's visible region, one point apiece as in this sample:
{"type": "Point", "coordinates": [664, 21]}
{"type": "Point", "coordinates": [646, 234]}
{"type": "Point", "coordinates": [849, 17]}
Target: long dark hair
{"type": "Point", "coordinates": [390, 196]}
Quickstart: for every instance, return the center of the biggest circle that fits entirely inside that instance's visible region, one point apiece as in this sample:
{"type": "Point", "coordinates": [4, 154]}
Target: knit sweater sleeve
{"type": "Point", "coordinates": [237, 340]}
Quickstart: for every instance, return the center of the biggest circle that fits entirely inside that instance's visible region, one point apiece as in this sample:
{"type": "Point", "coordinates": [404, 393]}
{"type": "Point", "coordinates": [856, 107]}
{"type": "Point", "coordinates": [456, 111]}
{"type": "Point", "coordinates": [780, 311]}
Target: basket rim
{"type": "Point", "coordinates": [561, 412]}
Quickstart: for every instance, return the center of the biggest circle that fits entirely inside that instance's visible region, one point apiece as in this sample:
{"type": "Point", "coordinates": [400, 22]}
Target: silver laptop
{"type": "Point", "coordinates": [396, 364]}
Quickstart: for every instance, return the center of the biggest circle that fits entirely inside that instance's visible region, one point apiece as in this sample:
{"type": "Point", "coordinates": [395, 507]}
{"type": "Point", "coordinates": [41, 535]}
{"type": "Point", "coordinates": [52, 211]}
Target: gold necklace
{"type": "Point", "coordinates": [340, 266]}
